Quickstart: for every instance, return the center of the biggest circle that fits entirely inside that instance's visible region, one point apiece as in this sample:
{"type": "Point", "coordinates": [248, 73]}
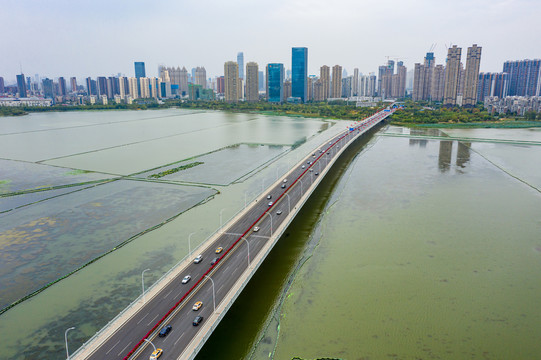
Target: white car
{"type": "Point", "coordinates": [270, 203]}
{"type": "Point", "coordinates": [285, 180]}
{"type": "Point", "coordinates": [186, 279]}
{"type": "Point", "coordinates": [256, 229]}
{"type": "Point", "coordinates": [198, 259]}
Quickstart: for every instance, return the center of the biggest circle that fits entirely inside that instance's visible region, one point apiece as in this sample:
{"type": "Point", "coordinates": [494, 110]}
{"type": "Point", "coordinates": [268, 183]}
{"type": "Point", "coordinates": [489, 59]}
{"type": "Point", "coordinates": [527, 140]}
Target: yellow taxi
{"type": "Point", "coordinates": [156, 354]}
{"type": "Point", "coordinates": [197, 306]}
{"type": "Point", "coordinates": [219, 250]}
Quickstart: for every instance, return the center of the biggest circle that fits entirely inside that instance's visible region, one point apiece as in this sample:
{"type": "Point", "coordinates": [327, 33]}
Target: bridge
{"type": "Point", "coordinates": [221, 275]}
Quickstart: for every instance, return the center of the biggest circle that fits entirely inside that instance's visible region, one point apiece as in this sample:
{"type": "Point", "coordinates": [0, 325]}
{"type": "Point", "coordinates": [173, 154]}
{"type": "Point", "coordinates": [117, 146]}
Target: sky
{"type": "Point", "coordinates": [84, 38]}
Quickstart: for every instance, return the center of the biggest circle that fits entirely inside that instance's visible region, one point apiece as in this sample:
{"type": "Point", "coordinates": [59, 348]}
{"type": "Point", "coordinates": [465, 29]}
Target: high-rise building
{"type": "Point", "coordinates": [73, 84]}
{"type": "Point", "coordinates": [261, 81]}
{"type": "Point", "coordinates": [336, 82]}
{"type": "Point", "coordinates": [231, 77]}
{"type": "Point", "coordinates": [1, 85]}
{"type": "Point", "coordinates": [122, 88]}
{"type": "Point", "coordinates": [201, 77]}
{"type": "Point", "coordinates": [48, 88]}
{"type": "Point", "coordinates": [139, 69]}
{"type": "Point", "coordinates": [252, 82]}
{"type": "Point", "coordinates": [275, 82]}
{"type": "Point", "coordinates": [492, 84]}
{"type": "Point", "coordinates": [524, 77]}
{"type": "Point", "coordinates": [452, 74]}
{"type": "Point", "coordinates": [471, 76]}
{"type": "Point", "coordinates": [355, 85]}
{"type": "Point", "coordinates": [240, 62]}
{"type": "Point", "coordinates": [325, 78]}
{"type": "Point", "coordinates": [318, 90]}
{"type": "Point", "coordinates": [438, 83]}
{"type": "Point", "coordinates": [220, 85]}
{"type": "Point", "coordinates": [347, 83]}
{"type": "Point", "coordinates": [287, 89]}
{"type": "Point", "coordinates": [399, 89]}
{"type": "Point", "coordinates": [62, 90]}
{"type": "Point", "coordinates": [299, 75]}
{"type": "Point", "coordinates": [102, 86]}
{"type": "Point", "coordinates": [133, 88]}
{"type": "Point", "coordinates": [154, 87]}
{"type": "Point", "coordinates": [21, 86]}
{"type": "Point", "coordinates": [144, 84]}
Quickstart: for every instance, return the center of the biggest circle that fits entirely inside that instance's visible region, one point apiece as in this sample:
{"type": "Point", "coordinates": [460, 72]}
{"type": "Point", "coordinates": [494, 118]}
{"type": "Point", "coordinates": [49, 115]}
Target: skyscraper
{"type": "Point", "coordinates": [325, 78]}
{"type": "Point", "coordinates": [336, 88]}
{"type": "Point", "coordinates": [252, 82]}
{"type": "Point", "coordinates": [240, 62]}
{"type": "Point", "coordinates": [62, 90]}
{"type": "Point", "coordinates": [261, 81]}
{"type": "Point", "coordinates": [471, 76]}
{"type": "Point", "coordinates": [73, 84]}
{"type": "Point", "coordinates": [231, 77]}
{"type": "Point", "coordinates": [275, 81]}
{"type": "Point", "coordinates": [355, 85]}
{"type": "Point", "coordinates": [1, 85]}
{"type": "Point", "coordinates": [438, 83]}
{"type": "Point", "coordinates": [48, 88]}
{"type": "Point", "coordinates": [139, 69]}
{"type": "Point", "coordinates": [21, 86]}
{"type": "Point", "coordinates": [220, 85]}
{"type": "Point", "coordinates": [452, 73]}
{"type": "Point", "coordinates": [524, 77]}
{"type": "Point", "coordinates": [201, 77]}
{"type": "Point", "coordinates": [299, 64]}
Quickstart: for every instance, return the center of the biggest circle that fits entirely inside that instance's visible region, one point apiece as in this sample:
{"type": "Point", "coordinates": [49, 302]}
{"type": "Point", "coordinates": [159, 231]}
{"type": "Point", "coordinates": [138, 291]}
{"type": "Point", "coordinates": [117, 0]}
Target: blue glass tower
{"type": "Point", "coordinates": [299, 75]}
{"type": "Point", "coordinates": [21, 86]}
{"type": "Point", "coordinates": [139, 69]}
{"type": "Point", "coordinates": [275, 82]}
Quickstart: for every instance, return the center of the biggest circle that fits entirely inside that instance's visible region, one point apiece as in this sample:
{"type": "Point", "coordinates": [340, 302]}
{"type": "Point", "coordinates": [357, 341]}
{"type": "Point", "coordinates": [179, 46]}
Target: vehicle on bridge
{"type": "Point", "coordinates": [214, 261]}
{"type": "Point", "coordinates": [197, 306]}
{"type": "Point", "coordinates": [165, 330]}
{"type": "Point", "coordinates": [256, 228]}
{"type": "Point", "coordinates": [197, 320]}
{"type": "Point", "coordinates": [186, 279]}
{"type": "Point", "coordinates": [219, 250]}
{"type": "Point", "coordinates": [198, 259]}
{"type": "Point", "coordinates": [156, 354]}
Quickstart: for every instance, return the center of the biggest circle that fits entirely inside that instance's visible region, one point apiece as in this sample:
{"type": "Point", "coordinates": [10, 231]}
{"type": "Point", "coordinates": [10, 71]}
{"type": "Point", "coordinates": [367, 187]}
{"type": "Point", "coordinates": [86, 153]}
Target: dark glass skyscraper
{"type": "Point", "coordinates": [299, 75]}
{"type": "Point", "coordinates": [139, 69]}
{"type": "Point", "coordinates": [275, 82]}
{"type": "Point", "coordinates": [21, 86]}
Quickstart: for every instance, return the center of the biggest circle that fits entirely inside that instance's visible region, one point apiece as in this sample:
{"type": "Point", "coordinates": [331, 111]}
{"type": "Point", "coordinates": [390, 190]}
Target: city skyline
{"type": "Point", "coordinates": [111, 47]}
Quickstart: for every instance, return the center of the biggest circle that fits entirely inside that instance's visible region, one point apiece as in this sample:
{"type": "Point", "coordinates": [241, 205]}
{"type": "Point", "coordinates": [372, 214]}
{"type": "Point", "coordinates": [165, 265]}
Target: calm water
{"type": "Point", "coordinates": [45, 235]}
{"type": "Point", "coordinates": [410, 249]}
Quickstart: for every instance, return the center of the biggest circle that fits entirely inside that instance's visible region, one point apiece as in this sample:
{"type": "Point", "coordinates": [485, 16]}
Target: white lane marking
{"type": "Point", "coordinates": [151, 321]}
{"type": "Point", "coordinates": [179, 339]}
{"type": "Point", "coordinates": [168, 294]}
{"type": "Point", "coordinates": [142, 318]}
{"type": "Point", "coordinates": [121, 351]}
{"type": "Point", "coordinates": [221, 287]}
{"type": "Point", "coordinates": [112, 347]}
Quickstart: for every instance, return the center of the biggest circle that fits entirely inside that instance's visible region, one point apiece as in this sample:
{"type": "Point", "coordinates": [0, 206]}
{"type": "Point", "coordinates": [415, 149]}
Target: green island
{"type": "Point", "coordinates": [413, 113]}
{"type": "Point", "coordinates": [174, 170]}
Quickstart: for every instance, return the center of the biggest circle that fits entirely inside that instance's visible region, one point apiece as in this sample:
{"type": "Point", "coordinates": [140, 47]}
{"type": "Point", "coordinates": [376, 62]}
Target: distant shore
{"type": "Point", "coordinates": [413, 114]}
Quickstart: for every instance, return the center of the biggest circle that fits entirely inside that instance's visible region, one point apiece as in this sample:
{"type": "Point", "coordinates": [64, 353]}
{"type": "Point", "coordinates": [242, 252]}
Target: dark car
{"type": "Point", "coordinates": [197, 320]}
{"type": "Point", "coordinates": [214, 261]}
{"type": "Point", "coordinates": [283, 186]}
{"type": "Point", "coordinates": [166, 330]}
{"type": "Point", "coordinates": [269, 197]}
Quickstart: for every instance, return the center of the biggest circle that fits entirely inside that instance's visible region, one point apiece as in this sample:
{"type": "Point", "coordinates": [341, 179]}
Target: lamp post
{"type": "Point", "coordinates": [213, 292]}
{"type": "Point", "coordinates": [66, 338]}
{"type": "Point", "coordinates": [221, 226]}
{"type": "Point", "coordinates": [288, 202]}
{"type": "Point", "coordinates": [143, 283]}
{"type": "Point", "coordinates": [190, 244]}
{"type": "Point", "coordinates": [150, 342]}
{"type": "Point", "coordinates": [248, 244]}
{"type": "Point", "coordinates": [268, 213]}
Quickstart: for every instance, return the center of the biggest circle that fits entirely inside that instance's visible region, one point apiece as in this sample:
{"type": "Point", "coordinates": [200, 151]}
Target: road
{"type": "Point", "coordinates": [240, 243]}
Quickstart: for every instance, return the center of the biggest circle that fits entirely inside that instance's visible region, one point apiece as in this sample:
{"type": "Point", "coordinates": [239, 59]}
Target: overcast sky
{"type": "Point", "coordinates": [104, 37]}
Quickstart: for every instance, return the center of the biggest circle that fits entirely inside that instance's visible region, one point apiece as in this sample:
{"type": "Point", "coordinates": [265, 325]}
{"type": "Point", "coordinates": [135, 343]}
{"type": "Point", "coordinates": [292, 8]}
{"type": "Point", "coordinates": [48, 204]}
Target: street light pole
{"type": "Point", "coordinates": [143, 283]}
{"type": "Point", "coordinates": [247, 243]}
{"type": "Point", "coordinates": [268, 213]}
{"type": "Point", "coordinates": [150, 342]}
{"type": "Point", "coordinates": [221, 226]}
{"type": "Point", "coordinates": [288, 202]}
{"type": "Point", "coordinates": [66, 338]}
{"type": "Point", "coordinates": [213, 293]}
{"type": "Point", "coordinates": [190, 244]}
